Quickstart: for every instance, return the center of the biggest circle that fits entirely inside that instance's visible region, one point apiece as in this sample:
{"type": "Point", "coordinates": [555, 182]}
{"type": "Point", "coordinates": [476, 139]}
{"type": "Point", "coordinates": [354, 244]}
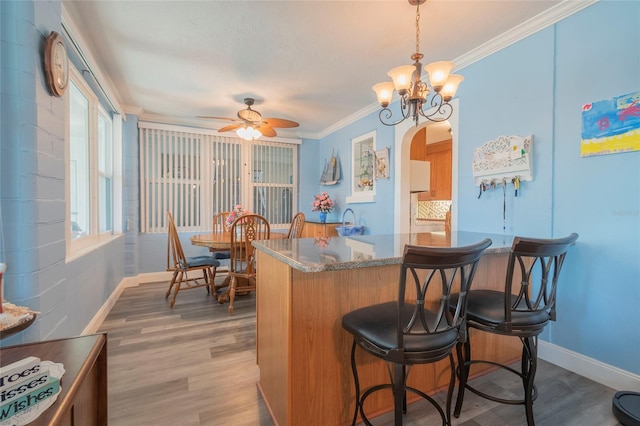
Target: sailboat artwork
{"type": "Point", "coordinates": [331, 174]}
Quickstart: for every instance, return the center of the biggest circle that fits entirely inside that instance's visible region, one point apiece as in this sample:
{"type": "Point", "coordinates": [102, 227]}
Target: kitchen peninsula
{"type": "Point", "coordinates": [306, 285]}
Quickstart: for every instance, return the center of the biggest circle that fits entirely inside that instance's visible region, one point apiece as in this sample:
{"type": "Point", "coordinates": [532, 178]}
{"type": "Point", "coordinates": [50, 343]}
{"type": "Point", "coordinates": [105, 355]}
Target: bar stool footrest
{"type": "Point", "coordinates": [418, 392]}
{"type": "Point", "coordinates": [494, 398]}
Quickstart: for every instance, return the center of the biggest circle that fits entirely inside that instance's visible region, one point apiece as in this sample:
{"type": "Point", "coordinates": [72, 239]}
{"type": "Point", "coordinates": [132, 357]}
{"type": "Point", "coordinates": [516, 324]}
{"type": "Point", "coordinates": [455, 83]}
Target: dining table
{"type": "Point", "coordinates": [221, 241]}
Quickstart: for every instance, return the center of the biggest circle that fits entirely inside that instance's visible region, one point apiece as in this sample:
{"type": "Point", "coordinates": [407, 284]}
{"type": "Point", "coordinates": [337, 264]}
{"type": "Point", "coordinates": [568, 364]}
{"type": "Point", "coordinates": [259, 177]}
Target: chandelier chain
{"type": "Point", "coordinates": [418, 29]}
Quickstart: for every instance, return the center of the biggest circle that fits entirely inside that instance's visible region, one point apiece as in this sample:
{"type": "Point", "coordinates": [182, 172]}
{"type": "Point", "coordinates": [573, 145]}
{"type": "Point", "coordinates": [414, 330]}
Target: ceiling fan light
{"type": "Point", "coordinates": [255, 133]}
{"type": "Point", "coordinates": [384, 93]}
{"type": "Point", "coordinates": [438, 73]}
{"type": "Point", "coordinates": [402, 78]}
{"type": "Point", "coordinates": [248, 133]}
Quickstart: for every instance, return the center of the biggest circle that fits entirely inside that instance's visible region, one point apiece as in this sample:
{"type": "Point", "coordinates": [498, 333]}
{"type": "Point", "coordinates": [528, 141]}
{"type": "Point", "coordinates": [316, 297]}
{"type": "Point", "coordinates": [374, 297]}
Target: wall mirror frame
{"type": "Point", "coordinates": [363, 184]}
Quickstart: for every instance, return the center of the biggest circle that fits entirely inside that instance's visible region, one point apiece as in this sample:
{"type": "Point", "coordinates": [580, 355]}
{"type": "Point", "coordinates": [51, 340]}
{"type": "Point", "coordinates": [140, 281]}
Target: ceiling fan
{"type": "Point", "coordinates": [250, 125]}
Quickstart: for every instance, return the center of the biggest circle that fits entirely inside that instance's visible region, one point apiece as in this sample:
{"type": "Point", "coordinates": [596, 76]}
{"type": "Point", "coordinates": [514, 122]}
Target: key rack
{"type": "Point", "coordinates": [503, 159]}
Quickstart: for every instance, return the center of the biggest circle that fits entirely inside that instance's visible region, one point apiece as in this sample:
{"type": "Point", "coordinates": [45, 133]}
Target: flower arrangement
{"type": "Point", "coordinates": [237, 211]}
{"type": "Point", "coordinates": [322, 203]}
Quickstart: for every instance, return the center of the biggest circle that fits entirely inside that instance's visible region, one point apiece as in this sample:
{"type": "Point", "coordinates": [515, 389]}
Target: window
{"type": "Point", "coordinates": [363, 184]}
{"type": "Point", "coordinates": [198, 173]}
{"type": "Point", "coordinates": [90, 173]}
{"type": "Point", "coordinates": [105, 171]}
{"type": "Point", "coordinates": [79, 182]}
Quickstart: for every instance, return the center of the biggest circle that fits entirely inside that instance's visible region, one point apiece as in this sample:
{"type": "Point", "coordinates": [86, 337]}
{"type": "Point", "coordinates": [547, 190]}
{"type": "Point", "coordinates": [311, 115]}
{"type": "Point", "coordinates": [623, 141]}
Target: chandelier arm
{"type": "Point", "coordinates": [387, 116]}
{"type": "Point", "coordinates": [443, 110]}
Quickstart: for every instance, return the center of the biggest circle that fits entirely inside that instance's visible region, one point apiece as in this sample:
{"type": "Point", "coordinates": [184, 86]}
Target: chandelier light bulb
{"type": "Point", "coordinates": [438, 73]}
{"type": "Point", "coordinates": [384, 92]}
{"type": "Point", "coordinates": [402, 77]}
{"type": "Point", "coordinates": [451, 86]}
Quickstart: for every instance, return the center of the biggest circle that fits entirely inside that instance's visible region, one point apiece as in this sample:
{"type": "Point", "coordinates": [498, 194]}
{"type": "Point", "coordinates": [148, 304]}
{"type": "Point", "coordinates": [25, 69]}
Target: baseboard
{"type": "Point", "coordinates": [151, 277]}
{"type": "Point", "coordinates": [99, 317]}
{"type": "Point", "coordinates": [590, 368]}
{"type": "Point", "coordinates": [154, 277]}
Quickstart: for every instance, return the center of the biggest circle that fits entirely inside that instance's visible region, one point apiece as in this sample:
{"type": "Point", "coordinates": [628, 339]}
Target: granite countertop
{"type": "Point", "coordinates": [334, 253]}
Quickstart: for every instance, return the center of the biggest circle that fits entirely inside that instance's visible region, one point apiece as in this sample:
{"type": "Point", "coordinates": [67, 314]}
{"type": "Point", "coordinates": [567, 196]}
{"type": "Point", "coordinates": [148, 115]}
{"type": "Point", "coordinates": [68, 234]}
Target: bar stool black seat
{"type": "Point", "coordinates": [523, 309]}
{"type": "Point", "coordinates": [404, 333]}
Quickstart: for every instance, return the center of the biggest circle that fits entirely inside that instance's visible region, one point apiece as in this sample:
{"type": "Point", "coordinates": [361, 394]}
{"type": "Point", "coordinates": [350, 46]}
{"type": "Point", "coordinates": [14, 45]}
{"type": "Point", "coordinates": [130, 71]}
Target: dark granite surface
{"type": "Point", "coordinates": [333, 253]}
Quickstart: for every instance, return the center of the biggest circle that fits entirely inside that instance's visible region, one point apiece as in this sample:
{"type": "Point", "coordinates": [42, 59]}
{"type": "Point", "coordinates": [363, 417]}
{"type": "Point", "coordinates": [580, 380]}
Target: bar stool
{"type": "Point", "coordinates": [404, 333]}
{"type": "Point", "coordinates": [523, 309]}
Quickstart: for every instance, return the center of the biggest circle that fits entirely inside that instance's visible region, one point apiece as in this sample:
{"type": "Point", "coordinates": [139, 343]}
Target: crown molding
{"type": "Point", "coordinates": [539, 22]}
{"type": "Point", "coordinates": [133, 110]}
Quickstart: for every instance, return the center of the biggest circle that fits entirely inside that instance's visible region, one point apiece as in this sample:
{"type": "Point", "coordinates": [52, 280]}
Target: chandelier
{"type": "Point", "coordinates": [414, 93]}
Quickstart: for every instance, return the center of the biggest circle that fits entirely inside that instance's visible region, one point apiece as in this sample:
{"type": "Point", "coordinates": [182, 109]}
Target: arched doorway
{"type": "Point", "coordinates": [404, 133]}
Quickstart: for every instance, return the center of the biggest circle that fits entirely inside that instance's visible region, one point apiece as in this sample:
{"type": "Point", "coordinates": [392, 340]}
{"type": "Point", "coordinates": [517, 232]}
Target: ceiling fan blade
{"type": "Point", "coordinates": [221, 118]}
{"type": "Point", "coordinates": [266, 130]}
{"type": "Point", "coordinates": [279, 122]}
{"type": "Point", "coordinates": [230, 127]}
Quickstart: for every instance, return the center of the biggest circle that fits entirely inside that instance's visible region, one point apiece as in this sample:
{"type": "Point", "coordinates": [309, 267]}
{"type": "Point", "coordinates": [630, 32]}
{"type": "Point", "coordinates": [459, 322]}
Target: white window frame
{"type": "Point", "coordinates": [108, 172]}
{"type": "Point", "coordinates": [79, 246]}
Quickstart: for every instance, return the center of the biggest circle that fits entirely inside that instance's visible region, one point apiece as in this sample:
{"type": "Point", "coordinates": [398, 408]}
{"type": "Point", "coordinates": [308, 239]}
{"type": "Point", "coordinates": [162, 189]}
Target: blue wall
{"type": "Point", "coordinates": [376, 216]}
{"type": "Point", "coordinates": [537, 87]}
{"type": "Point", "coordinates": [32, 189]}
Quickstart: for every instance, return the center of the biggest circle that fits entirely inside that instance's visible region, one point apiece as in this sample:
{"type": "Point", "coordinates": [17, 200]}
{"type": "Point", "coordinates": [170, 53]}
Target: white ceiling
{"type": "Point", "coordinates": [309, 61]}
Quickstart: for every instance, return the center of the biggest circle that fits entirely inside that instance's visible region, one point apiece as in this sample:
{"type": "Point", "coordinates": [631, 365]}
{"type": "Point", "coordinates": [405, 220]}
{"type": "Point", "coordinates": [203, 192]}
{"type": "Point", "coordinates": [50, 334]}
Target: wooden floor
{"type": "Point", "coordinates": [195, 365]}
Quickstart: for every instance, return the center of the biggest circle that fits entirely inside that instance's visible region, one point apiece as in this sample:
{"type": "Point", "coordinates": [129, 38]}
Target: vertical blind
{"type": "Point", "coordinates": [196, 176]}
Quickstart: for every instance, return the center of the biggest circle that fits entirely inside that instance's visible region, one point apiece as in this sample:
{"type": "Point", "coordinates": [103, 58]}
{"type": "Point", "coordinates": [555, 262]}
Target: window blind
{"type": "Point", "coordinates": [197, 175]}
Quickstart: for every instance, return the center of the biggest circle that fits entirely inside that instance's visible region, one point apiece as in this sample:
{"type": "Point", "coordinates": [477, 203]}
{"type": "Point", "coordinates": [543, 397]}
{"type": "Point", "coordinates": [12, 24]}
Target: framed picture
{"type": "Point", "coordinates": [363, 185]}
{"type": "Point", "coordinates": [381, 166]}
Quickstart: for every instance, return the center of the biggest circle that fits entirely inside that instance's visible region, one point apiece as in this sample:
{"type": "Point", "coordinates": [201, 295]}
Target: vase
{"type": "Point", "coordinates": [323, 217]}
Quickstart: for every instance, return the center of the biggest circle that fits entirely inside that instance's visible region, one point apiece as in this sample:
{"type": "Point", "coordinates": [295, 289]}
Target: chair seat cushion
{"type": "Point", "coordinates": [376, 324]}
{"type": "Point", "coordinates": [194, 262]}
{"type": "Point", "coordinates": [486, 307]}
{"type": "Point", "coordinates": [222, 255]}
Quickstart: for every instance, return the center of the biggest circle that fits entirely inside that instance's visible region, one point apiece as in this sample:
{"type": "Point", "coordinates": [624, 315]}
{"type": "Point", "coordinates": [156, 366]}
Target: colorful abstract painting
{"type": "Point", "coordinates": [611, 126]}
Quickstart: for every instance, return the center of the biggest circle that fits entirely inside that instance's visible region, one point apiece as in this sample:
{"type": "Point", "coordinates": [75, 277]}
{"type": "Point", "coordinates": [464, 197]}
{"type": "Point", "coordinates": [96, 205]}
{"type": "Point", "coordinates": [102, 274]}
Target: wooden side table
{"type": "Point", "coordinates": [83, 397]}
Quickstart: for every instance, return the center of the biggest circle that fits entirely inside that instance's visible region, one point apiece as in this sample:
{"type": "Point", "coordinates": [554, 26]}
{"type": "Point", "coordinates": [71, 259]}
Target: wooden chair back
{"type": "Point", "coordinates": [244, 231]}
{"type": "Point", "coordinates": [175, 254]}
{"type": "Point", "coordinates": [242, 267]}
{"type": "Point", "coordinates": [182, 266]}
{"type": "Point", "coordinates": [220, 222]}
{"type": "Point", "coordinates": [297, 225]}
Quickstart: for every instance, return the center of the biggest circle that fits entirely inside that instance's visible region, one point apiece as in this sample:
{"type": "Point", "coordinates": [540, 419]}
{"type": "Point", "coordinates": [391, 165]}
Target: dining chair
{"type": "Point", "coordinates": [413, 329]}
{"type": "Point", "coordinates": [297, 225]}
{"type": "Point", "coordinates": [242, 267]}
{"type": "Point", "coordinates": [219, 226]}
{"type": "Point", "coordinates": [522, 309]}
{"type": "Point", "coordinates": [182, 265]}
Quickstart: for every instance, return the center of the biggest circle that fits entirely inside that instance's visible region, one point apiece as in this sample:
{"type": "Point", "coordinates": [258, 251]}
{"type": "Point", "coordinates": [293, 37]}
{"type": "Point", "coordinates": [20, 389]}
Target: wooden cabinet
{"type": "Point", "coordinates": [319, 229]}
{"type": "Point", "coordinates": [439, 156]}
{"type": "Point", "coordinates": [83, 396]}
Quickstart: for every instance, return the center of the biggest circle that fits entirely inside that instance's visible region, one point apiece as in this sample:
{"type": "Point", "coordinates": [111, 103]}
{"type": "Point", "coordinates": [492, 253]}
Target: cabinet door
{"type": "Point", "coordinates": [439, 156]}
{"type": "Point", "coordinates": [320, 230]}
